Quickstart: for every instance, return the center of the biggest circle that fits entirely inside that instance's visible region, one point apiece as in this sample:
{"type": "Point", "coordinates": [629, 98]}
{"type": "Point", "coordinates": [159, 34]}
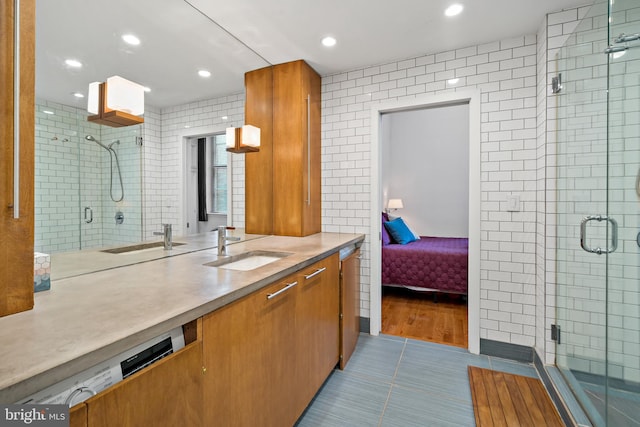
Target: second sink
{"type": "Point", "coordinates": [248, 260]}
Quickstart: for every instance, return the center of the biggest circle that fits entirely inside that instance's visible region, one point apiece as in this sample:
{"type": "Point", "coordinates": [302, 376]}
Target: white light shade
{"type": "Point", "coordinates": [395, 204]}
{"type": "Point", "coordinates": [124, 95]}
{"type": "Point", "coordinates": [231, 137]}
{"type": "Point", "coordinates": [93, 101]}
{"type": "Point", "coordinates": [250, 136]}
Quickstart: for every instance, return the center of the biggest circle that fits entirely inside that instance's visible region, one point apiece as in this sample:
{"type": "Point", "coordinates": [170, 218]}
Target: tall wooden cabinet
{"type": "Point", "coordinates": [283, 178]}
{"type": "Point", "coordinates": [16, 236]}
{"type": "Point", "coordinates": [259, 165]}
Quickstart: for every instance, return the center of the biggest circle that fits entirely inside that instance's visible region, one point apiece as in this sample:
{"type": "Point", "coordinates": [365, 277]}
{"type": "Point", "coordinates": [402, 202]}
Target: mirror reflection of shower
{"type": "Point", "coordinates": [112, 155]}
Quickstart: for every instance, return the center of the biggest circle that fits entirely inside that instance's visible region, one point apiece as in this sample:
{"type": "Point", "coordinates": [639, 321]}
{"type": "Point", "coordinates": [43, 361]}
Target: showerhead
{"type": "Point", "coordinates": [91, 138]}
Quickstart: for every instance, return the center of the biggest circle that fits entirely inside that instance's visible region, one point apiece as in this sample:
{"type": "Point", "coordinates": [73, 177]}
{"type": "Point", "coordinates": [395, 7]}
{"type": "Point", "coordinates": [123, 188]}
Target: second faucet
{"type": "Point", "coordinates": [223, 239]}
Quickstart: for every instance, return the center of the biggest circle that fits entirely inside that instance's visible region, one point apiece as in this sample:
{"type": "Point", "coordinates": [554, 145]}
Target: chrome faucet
{"type": "Point", "coordinates": [223, 239]}
{"type": "Point", "coordinates": [168, 243]}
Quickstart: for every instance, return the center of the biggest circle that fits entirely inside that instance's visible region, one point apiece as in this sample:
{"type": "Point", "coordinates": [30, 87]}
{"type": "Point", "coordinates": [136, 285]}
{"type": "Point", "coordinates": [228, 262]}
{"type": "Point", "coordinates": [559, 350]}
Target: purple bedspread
{"type": "Point", "coordinates": [438, 263]}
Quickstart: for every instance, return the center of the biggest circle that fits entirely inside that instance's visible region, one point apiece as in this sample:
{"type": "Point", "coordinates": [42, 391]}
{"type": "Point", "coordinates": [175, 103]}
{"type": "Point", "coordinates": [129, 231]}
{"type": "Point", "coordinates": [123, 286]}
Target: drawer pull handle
{"type": "Point", "coordinates": [286, 288]}
{"type": "Point", "coordinates": [315, 273]}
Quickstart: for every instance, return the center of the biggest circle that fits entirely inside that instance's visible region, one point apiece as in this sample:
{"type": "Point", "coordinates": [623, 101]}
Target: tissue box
{"type": "Point", "coordinates": [41, 272]}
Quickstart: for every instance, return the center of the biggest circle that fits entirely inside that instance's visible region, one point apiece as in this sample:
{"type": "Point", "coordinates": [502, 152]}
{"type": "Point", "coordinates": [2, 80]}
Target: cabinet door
{"type": "Point", "coordinates": [317, 322]}
{"type": "Point", "coordinates": [296, 153]}
{"type": "Point", "coordinates": [259, 165]}
{"type": "Point", "coordinates": [16, 238]}
{"type": "Point", "coordinates": [349, 306]}
{"type": "Point", "coordinates": [249, 353]}
{"type": "Point", "coordinates": [168, 393]}
{"type": "Point", "coordinates": [78, 415]}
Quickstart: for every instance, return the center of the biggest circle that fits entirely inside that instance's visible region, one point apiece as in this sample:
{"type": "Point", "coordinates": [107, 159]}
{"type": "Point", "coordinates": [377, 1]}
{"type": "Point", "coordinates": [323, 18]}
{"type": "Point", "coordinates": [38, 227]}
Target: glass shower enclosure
{"type": "Point", "coordinates": [88, 181]}
{"type": "Point", "coordinates": [598, 212]}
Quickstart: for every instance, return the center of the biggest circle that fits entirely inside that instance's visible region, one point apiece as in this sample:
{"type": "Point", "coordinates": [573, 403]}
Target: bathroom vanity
{"type": "Point", "coordinates": [259, 342]}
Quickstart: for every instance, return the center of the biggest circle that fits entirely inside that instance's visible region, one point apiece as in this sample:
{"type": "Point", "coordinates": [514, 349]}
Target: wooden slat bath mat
{"type": "Point", "coordinates": [501, 399]}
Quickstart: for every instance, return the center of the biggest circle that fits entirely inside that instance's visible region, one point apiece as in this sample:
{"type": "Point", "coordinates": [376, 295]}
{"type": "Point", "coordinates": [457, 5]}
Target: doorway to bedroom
{"type": "Point", "coordinates": [424, 181]}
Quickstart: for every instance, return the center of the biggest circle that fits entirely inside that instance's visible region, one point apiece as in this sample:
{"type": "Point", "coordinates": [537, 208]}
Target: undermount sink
{"type": "Point", "coordinates": [248, 260]}
{"type": "Point", "coordinates": [140, 247]}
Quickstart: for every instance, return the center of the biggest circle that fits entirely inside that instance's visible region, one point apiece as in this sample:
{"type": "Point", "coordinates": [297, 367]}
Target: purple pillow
{"type": "Point", "coordinates": [386, 238]}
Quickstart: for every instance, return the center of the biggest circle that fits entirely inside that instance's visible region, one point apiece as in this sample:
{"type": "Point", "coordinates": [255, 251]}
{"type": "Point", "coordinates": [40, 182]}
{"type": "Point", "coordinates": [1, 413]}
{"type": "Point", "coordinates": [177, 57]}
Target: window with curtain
{"type": "Point", "coordinates": [217, 174]}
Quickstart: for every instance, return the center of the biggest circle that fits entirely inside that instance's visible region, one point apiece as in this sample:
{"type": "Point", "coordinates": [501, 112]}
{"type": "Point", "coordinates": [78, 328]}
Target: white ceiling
{"type": "Point", "coordinates": [180, 37]}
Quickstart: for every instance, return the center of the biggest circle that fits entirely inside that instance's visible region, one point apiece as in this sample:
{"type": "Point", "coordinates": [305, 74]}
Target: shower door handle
{"type": "Point", "coordinates": [88, 218]}
{"type": "Point", "coordinates": [614, 234]}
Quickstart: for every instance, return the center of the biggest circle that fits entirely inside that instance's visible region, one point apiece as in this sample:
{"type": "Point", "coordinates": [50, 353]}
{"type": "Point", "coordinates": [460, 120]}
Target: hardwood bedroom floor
{"type": "Point", "coordinates": [413, 314]}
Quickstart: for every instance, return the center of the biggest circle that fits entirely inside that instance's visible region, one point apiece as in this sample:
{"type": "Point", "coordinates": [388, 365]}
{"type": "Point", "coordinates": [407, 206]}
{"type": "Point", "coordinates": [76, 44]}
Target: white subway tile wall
{"type": "Point", "coordinates": [505, 73]}
{"type": "Point", "coordinates": [176, 122]}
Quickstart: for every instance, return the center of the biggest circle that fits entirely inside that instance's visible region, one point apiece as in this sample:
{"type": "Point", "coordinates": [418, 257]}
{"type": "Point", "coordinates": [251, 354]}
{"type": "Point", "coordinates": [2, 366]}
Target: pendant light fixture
{"type": "Point", "coordinates": [117, 102]}
{"type": "Point", "coordinates": [245, 139]}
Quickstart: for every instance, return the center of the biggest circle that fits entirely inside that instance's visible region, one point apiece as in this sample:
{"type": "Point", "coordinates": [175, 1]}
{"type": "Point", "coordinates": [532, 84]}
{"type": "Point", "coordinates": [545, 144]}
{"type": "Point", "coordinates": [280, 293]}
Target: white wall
{"type": "Point", "coordinates": [428, 168]}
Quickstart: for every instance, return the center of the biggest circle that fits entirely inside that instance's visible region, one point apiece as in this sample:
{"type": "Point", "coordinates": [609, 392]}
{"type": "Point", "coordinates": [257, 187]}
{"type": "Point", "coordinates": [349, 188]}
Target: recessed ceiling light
{"type": "Point", "coordinates": [453, 10]}
{"type": "Point", "coordinates": [147, 89]}
{"type": "Point", "coordinates": [204, 73]}
{"type": "Point", "coordinates": [78, 95]}
{"type": "Point", "coordinates": [329, 41]}
{"type": "Point", "coordinates": [452, 82]}
{"type": "Point", "coordinates": [73, 63]}
{"type": "Point", "coordinates": [47, 111]}
{"type": "Point", "coordinates": [131, 39]}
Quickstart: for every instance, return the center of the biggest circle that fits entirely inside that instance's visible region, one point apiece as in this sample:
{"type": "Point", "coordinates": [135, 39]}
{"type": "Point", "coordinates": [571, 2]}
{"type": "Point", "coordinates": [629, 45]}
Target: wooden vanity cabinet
{"type": "Point", "coordinates": [268, 353]}
{"type": "Point", "coordinates": [317, 324]}
{"type": "Point", "coordinates": [249, 351]}
{"type": "Point", "coordinates": [282, 180]}
{"type": "Point", "coordinates": [168, 393]}
{"type": "Point", "coordinates": [349, 306]}
{"type": "Point", "coordinates": [78, 415]}
{"type": "Point", "coordinates": [16, 238]}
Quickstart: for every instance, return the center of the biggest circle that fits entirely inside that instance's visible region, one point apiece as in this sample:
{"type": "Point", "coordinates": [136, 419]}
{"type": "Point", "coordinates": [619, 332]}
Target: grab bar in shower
{"type": "Point", "coordinates": [614, 234]}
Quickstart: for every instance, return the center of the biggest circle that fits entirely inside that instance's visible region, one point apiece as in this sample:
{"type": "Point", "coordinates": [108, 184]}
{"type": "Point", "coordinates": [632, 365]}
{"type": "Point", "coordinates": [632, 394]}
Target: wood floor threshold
{"type": "Point", "coordinates": [502, 399]}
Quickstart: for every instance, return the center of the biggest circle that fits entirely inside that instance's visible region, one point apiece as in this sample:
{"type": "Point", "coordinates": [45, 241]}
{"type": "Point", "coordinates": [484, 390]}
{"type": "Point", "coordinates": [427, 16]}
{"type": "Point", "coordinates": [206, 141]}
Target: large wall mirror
{"type": "Point", "coordinates": [91, 179]}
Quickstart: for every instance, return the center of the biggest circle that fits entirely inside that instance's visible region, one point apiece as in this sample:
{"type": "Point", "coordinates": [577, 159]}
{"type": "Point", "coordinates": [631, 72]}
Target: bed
{"type": "Point", "coordinates": [428, 264]}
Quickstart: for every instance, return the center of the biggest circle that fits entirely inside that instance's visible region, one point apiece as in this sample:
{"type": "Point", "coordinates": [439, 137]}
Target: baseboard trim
{"type": "Point", "coordinates": [365, 325]}
{"type": "Point", "coordinates": [506, 350]}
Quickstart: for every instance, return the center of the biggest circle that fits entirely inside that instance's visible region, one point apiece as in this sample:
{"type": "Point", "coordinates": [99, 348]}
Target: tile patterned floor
{"type": "Point", "coordinates": [392, 381]}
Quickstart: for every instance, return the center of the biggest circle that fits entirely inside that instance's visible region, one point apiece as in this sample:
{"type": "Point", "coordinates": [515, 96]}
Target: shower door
{"type": "Point", "coordinates": [597, 212]}
{"type": "Point", "coordinates": [111, 186]}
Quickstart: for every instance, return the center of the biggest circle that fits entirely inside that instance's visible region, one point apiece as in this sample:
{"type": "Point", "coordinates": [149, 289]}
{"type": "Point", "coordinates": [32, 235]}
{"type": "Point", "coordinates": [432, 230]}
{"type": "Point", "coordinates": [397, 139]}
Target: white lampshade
{"type": "Point", "coordinates": [124, 95]}
{"type": "Point", "coordinates": [250, 136]}
{"type": "Point", "coordinates": [395, 204]}
{"type": "Point", "coordinates": [243, 140]}
{"type": "Point", "coordinates": [93, 100]}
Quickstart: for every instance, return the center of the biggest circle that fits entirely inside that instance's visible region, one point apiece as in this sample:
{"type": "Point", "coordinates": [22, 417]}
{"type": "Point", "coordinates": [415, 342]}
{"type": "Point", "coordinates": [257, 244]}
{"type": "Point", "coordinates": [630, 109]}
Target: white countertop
{"type": "Point", "coordinates": [89, 318]}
